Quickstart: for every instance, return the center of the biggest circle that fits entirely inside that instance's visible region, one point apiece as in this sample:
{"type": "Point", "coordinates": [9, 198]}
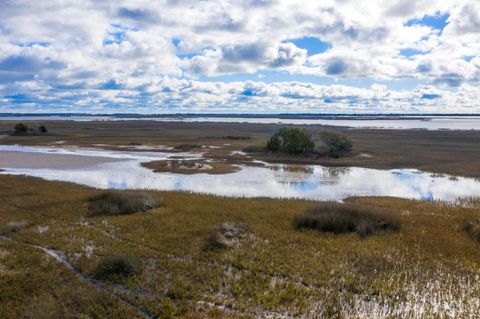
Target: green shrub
{"type": "Point", "coordinates": [113, 268]}
{"type": "Point", "coordinates": [472, 228]}
{"type": "Point", "coordinates": [20, 128]}
{"type": "Point", "coordinates": [337, 144]}
{"type": "Point", "coordinates": [293, 140]}
{"type": "Point", "coordinates": [339, 218]}
{"type": "Point", "coordinates": [43, 129]}
{"type": "Point", "coordinates": [274, 143]}
{"type": "Point", "coordinates": [122, 203]}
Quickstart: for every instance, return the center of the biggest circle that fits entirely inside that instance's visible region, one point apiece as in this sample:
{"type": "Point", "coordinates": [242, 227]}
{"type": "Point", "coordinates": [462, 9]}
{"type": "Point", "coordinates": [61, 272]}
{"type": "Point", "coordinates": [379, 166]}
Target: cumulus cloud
{"type": "Point", "coordinates": [89, 55]}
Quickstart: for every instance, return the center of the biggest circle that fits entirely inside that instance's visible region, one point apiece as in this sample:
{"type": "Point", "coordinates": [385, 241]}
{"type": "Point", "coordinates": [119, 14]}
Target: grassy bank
{"type": "Point", "coordinates": [427, 268]}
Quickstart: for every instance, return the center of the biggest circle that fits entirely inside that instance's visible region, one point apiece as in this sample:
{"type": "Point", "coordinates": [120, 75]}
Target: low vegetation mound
{"type": "Point", "coordinates": [191, 167]}
{"type": "Point", "coordinates": [20, 128]}
{"type": "Point", "coordinates": [122, 203]}
{"type": "Point", "coordinates": [224, 236]}
{"type": "Point", "coordinates": [114, 268]}
{"type": "Point", "coordinates": [13, 227]}
{"type": "Point", "coordinates": [337, 144]}
{"type": "Point", "coordinates": [23, 129]}
{"type": "Point", "coordinates": [472, 228]}
{"type": "Point", "coordinates": [293, 140]}
{"type": "Point", "coordinates": [339, 218]}
{"type": "Point", "coordinates": [187, 147]}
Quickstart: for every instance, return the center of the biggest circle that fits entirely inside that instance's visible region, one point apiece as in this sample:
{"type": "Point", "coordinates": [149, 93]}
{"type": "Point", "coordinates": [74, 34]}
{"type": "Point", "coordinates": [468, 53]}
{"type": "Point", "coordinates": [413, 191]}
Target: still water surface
{"type": "Point", "coordinates": [122, 170]}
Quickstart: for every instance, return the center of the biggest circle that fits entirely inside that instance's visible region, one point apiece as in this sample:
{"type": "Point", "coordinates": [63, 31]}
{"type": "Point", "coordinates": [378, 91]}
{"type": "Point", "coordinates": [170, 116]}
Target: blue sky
{"type": "Point", "coordinates": [268, 56]}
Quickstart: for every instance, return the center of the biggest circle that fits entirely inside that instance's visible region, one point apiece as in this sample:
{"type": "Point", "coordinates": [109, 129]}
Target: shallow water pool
{"type": "Point", "coordinates": [122, 170]}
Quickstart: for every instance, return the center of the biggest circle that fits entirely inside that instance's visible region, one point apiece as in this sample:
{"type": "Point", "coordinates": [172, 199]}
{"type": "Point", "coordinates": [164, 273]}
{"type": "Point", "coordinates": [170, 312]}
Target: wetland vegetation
{"type": "Point", "coordinates": [155, 264]}
{"type": "Point", "coordinates": [72, 251]}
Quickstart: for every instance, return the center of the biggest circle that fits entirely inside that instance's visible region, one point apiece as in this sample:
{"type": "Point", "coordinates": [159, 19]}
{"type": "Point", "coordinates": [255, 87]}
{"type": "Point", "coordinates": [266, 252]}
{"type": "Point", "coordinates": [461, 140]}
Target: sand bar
{"type": "Point", "coordinates": [14, 159]}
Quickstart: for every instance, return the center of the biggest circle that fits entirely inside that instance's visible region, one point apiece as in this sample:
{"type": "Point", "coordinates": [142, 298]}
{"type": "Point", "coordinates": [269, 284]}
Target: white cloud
{"type": "Point", "coordinates": [95, 54]}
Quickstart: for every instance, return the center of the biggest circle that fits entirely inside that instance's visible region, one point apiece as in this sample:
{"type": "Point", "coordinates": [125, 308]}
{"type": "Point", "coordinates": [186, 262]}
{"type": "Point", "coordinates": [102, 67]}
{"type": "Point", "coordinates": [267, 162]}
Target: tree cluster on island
{"type": "Point", "coordinates": [296, 141]}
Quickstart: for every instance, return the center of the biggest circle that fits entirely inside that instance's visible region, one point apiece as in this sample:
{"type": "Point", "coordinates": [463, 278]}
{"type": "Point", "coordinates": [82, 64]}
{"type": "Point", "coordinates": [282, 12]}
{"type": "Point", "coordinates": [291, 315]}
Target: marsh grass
{"type": "Point", "coordinates": [13, 227]}
{"type": "Point", "coordinates": [472, 228]}
{"type": "Point", "coordinates": [122, 203]}
{"type": "Point", "coordinates": [115, 268]}
{"type": "Point", "coordinates": [425, 270]}
{"type": "Point", "coordinates": [339, 218]}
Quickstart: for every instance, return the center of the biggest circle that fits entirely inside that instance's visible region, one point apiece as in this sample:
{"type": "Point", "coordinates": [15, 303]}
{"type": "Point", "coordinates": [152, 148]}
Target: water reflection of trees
{"type": "Point", "coordinates": [335, 171]}
{"type": "Point", "coordinates": [284, 173]}
{"type": "Point", "coordinates": [300, 173]}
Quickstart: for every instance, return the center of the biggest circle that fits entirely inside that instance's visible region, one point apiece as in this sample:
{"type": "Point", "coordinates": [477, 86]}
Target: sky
{"type": "Point", "coordinates": [244, 56]}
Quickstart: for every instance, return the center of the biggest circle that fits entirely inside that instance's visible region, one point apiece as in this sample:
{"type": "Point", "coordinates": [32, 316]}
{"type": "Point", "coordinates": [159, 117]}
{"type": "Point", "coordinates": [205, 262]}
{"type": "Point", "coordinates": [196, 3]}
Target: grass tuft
{"type": "Point", "coordinates": [122, 203]}
{"type": "Point", "coordinates": [339, 218]}
{"type": "Point", "coordinates": [13, 227]}
{"type": "Point", "coordinates": [113, 268]}
{"type": "Point", "coordinates": [223, 236]}
{"type": "Point", "coordinates": [472, 228]}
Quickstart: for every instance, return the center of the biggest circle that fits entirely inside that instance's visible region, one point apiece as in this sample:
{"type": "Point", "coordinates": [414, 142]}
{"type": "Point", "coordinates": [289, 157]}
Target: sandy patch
{"type": "Point", "coordinates": [13, 159]}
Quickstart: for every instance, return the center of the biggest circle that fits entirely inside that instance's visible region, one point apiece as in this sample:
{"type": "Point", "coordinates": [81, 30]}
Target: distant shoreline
{"type": "Point", "coordinates": [374, 121]}
{"type": "Point", "coordinates": [242, 115]}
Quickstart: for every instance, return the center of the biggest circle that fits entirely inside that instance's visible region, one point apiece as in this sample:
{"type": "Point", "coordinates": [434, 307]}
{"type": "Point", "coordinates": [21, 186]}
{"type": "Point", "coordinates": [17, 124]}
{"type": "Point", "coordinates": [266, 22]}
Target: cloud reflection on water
{"type": "Point", "coordinates": [273, 180]}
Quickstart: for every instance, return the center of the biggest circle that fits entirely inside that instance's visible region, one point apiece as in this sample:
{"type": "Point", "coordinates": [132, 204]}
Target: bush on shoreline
{"type": "Point", "coordinates": [296, 141]}
{"type": "Point", "coordinates": [20, 128]}
{"type": "Point", "coordinates": [43, 129]}
{"type": "Point", "coordinates": [337, 144]}
{"type": "Point", "coordinates": [292, 140]}
{"type": "Point", "coordinates": [332, 217]}
{"type": "Point", "coordinates": [23, 129]}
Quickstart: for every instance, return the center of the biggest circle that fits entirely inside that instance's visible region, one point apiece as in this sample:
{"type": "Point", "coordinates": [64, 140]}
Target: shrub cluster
{"type": "Point", "coordinates": [22, 129]}
{"type": "Point", "coordinates": [122, 203]}
{"type": "Point", "coordinates": [292, 140]}
{"type": "Point", "coordinates": [295, 140]}
{"type": "Point", "coordinates": [337, 144]}
{"type": "Point", "coordinates": [339, 218]}
{"type": "Point", "coordinates": [112, 268]}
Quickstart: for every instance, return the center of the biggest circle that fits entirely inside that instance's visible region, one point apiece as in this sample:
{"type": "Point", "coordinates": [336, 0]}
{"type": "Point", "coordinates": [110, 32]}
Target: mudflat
{"type": "Point", "coordinates": [13, 159]}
